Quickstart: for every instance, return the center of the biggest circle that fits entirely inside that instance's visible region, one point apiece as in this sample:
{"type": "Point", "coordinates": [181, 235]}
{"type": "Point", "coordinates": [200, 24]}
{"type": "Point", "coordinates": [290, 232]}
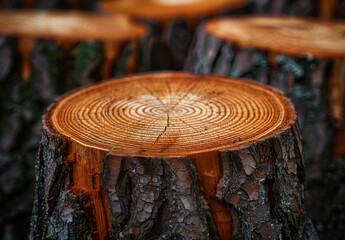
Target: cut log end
{"type": "Point", "coordinates": [170, 115]}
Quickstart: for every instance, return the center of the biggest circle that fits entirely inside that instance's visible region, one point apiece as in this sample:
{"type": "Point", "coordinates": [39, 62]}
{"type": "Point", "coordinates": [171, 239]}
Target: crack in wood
{"type": "Point", "coordinates": [168, 110]}
{"type": "Point", "coordinates": [164, 130]}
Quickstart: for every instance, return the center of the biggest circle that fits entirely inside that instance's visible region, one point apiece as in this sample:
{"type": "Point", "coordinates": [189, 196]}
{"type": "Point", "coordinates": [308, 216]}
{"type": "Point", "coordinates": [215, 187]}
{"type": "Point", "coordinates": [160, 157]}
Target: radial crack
{"type": "Point", "coordinates": [164, 130]}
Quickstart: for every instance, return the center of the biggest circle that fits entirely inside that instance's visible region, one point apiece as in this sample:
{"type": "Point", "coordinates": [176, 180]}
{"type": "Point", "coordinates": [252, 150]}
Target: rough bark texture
{"type": "Point", "coordinates": [18, 145]}
{"type": "Point", "coordinates": [59, 212]}
{"type": "Point", "coordinates": [160, 198]}
{"type": "Point", "coordinates": [155, 198]}
{"type": "Point", "coordinates": [167, 44]}
{"type": "Point", "coordinates": [303, 79]}
{"type": "Point", "coordinates": [149, 198]}
{"type": "Point", "coordinates": [264, 183]}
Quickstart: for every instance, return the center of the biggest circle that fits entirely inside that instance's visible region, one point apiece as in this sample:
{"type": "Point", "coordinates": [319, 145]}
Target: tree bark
{"type": "Point", "coordinates": [171, 156]}
{"type": "Point", "coordinates": [300, 69]}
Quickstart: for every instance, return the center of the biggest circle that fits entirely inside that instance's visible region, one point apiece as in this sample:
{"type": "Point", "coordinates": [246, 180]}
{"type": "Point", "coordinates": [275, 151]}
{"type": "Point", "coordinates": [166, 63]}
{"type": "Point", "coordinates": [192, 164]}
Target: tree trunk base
{"type": "Point", "coordinates": [101, 175]}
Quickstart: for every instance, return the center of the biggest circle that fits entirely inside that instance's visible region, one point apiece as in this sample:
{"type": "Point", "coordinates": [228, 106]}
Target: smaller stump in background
{"type": "Point", "coordinates": [171, 155]}
{"type": "Point", "coordinates": [292, 54]}
{"type": "Point", "coordinates": [67, 27]}
{"type": "Point", "coordinates": [172, 23]}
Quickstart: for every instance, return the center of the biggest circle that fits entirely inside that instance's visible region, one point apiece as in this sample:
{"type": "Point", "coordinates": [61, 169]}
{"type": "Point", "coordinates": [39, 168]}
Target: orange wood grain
{"type": "Point", "coordinates": [87, 165]}
{"type": "Point", "coordinates": [289, 35]}
{"type": "Point", "coordinates": [158, 113]}
{"type": "Point", "coordinates": [209, 168]}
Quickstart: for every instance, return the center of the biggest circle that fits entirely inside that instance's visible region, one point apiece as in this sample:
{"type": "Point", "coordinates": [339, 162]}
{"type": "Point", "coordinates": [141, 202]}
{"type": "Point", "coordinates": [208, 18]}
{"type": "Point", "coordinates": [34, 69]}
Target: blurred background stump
{"type": "Point", "coordinates": [171, 155]}
{"type": "Point", "coordinates": [67, 28]}
{"type": "Point", "coordinates": [302, 57]}
{"type": "Point", "coordinates": [172, 24]}
{"type": "Point", "coordinates": [61, 63]}
{"type": "Point", "coordinates": [47, 54]}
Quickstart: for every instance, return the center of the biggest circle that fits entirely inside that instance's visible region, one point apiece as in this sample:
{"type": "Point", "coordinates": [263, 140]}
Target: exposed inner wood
{"type": "Point", "coordinates": [87, 165]}
{"type": "Point", "coordinates": [209, 175]}
{"type": "Point", "coordinates": [324, 39]}
{"type": "Point", "coordinates": [337, 92]}
{"type": "Point", "coordinates": [169, 9]}
{"type": "Point", "coordinates": [170, 115]}
{"type": "Point", "coordinates": [25, 47]}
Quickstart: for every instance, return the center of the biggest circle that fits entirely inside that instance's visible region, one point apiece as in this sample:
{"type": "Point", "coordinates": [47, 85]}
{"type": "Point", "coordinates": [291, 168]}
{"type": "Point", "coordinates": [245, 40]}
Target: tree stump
{"type": "Point", "coordinates": [69, 27]}
{"type": "Point", "coordinates": [171, 156]}
{"type": "Point", "coordinates": [172, 24]}
{"type": "Point", "coordinates": [282, 52]}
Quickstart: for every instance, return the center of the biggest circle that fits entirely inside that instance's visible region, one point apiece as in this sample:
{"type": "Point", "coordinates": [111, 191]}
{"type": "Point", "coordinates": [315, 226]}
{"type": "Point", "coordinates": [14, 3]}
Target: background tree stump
{"type": "Point", "coordinates": [302, 57]}
{"type": "Point", "coordinates": [172, 24]}
{"type": "Point", "coordinates": [54, 63]}
{"type": "Point", "coordinates": [280, 52]}
{"type": "Point", "coordinates": [171, 155]}
{"type": "Point", "coordinates": [114, 30]}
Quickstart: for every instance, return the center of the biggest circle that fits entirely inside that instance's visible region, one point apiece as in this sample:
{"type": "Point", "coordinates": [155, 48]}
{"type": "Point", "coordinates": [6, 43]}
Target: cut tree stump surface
{"type": "Point", "coordinates": [295, 36]}
{"type": "Point", "coordinates": [171, 155]}
{"type": "Point", "coordinates": [170, 116]}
